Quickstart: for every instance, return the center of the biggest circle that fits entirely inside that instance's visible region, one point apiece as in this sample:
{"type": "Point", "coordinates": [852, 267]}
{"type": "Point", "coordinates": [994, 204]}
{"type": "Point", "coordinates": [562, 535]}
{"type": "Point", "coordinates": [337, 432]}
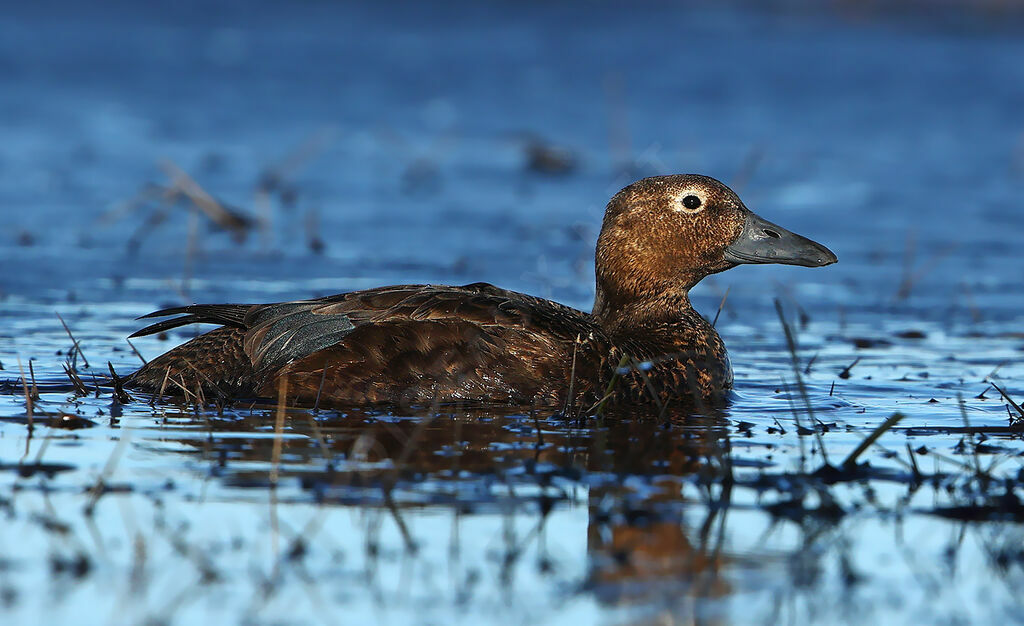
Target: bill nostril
{"type": "Point", "coordinates": [771, 233]}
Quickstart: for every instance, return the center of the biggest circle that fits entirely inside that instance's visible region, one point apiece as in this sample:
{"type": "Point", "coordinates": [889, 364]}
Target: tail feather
{"type": "Point", "coordinates": [223, 314]}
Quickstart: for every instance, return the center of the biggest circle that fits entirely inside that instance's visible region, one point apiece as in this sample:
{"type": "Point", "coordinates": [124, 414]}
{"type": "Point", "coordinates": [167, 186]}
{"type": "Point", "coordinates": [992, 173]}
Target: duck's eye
{"type": "Point", "coordinates": [691, 202]}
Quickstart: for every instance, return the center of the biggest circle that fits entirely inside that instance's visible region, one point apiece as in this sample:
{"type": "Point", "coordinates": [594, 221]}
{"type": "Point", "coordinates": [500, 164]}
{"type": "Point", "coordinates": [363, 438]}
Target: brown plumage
{"type": "Point", "coordinates": [643, 341]}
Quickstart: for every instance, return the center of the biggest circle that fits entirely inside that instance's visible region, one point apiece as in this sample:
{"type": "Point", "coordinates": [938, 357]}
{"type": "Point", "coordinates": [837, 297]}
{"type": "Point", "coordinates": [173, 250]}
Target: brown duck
{"type": "Point", "coordinates": [643, 342]}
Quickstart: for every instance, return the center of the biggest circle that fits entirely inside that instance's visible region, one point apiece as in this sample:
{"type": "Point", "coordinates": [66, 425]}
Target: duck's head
{"type": "Point", "coordinates": [662, 235]}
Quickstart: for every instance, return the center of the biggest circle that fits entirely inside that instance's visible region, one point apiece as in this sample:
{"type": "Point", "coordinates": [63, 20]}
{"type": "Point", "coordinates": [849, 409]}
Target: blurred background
{"type": "Point", "coordinates": [354, 143]}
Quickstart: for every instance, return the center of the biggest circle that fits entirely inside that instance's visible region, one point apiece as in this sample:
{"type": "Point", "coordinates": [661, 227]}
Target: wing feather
{"type": "Point", "coordinates": [407, 315]}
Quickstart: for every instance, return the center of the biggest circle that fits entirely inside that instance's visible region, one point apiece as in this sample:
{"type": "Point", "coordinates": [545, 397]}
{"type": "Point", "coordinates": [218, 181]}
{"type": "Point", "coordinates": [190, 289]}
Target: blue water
{"type": "Point", "coordinates": [399, 138]}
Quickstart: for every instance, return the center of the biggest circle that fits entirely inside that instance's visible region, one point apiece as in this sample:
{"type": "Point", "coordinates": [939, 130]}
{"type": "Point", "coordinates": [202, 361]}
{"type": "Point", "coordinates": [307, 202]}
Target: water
{"type": "Point", "coordinates": [895, 140]}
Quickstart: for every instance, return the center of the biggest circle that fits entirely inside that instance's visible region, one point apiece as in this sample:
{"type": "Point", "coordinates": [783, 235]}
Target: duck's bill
{"type": "Point", "coordinates": [764, 242]}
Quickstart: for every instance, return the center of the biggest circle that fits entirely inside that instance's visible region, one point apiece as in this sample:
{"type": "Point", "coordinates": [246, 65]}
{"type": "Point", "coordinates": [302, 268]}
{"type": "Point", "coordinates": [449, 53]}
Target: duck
{"type": "Point", "coordinates": [642, 344]}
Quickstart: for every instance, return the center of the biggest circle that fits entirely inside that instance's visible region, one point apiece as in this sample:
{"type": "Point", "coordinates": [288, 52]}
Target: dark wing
{"type": "Point", "coordinates": [420, 343]}
{"type": "Point", "coordinates": [284, 333]}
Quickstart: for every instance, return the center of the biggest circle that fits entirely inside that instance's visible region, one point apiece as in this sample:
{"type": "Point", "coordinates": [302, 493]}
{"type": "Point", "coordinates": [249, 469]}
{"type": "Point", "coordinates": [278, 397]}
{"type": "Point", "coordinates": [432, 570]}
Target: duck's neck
{"type": "Point", "coordinates": [639, 288]}
{"type": "Point", "coordinates": [642, 312]}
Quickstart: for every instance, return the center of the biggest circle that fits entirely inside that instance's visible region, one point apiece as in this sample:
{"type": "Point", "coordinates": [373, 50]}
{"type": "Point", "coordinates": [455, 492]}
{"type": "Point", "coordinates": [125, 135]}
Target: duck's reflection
{"type": "Point", "coordinates": [644, 536]}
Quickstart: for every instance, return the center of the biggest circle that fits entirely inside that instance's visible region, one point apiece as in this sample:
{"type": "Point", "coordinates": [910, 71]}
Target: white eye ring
{"type": "Point", "coordinates": [690, 202]}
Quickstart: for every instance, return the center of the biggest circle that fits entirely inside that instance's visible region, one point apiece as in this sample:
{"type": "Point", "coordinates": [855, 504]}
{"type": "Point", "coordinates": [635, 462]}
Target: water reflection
{"type": "Point", "coordinates": [684, 517]}
{"type": "Point", "coordinates": [641, 545]}
{"type": "Point", "coordinates": [677, 517]}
